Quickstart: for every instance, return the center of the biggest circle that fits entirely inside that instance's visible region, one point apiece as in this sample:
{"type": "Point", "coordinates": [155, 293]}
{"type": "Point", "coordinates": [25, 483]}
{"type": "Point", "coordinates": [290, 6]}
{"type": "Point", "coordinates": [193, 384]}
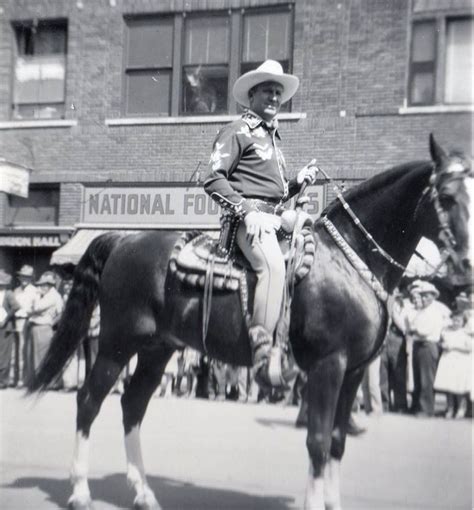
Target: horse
{"type": "Point", "coordinates": [339, 312]}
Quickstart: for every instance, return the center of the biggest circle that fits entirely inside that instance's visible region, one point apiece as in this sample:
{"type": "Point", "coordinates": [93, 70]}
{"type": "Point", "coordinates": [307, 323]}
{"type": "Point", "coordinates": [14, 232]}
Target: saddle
{"type": "Point", "coordinates": [195, 252]}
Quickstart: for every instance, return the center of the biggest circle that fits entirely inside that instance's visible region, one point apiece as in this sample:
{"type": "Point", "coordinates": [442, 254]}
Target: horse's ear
{"type": "Point", "coordinates": [437, 152]}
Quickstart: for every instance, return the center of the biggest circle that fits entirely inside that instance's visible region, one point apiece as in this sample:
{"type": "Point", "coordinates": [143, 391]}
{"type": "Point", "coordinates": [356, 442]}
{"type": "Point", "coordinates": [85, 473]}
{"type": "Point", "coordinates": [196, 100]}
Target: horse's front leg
{"type": "Point", "coordinates": [324, 383]}
{"type": "Point", "coordinates": [332, 491]}
{"type": "Point", "coordinates": [143, 383]}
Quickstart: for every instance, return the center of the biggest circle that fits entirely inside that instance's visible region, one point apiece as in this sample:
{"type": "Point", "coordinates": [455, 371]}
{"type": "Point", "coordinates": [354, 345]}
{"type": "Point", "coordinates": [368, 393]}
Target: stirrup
{"type": "Point", "coordinates": [261, 344]}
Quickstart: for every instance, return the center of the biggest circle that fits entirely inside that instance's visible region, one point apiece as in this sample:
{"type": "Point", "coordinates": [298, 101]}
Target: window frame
{"type": "Point", "coordinates": [440, 20]}
{"type": "Point", "coordinates": [52, 188]}
{"type": "Point", "coordinates": [15, 25]}
{"type": "Point", "coordinates": [234, 63]}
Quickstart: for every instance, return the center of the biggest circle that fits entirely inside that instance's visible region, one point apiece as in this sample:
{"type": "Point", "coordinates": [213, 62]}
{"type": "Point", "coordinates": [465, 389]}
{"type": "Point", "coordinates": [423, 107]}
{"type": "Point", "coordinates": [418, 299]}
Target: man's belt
{"type": "Point", "coordinates": [266, 206]}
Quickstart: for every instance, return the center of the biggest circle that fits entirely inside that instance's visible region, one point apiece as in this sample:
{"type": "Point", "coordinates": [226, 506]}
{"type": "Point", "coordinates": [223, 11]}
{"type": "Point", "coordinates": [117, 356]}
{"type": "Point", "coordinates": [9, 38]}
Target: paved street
{"type": "Point", "coordinates": [210, 455]}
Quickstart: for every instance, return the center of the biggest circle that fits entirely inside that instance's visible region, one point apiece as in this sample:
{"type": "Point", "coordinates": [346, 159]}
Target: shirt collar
{"type": "Point", "coordinates": [253, 121]}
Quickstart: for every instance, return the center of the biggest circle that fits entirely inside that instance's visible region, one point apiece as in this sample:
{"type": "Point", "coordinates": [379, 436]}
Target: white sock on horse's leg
{"type": "Point", "coordinates": [314, 497]}
{"type": "Point", "coordinates": [79, 471]}
{"type": "Point", "coordinates": [332, 491]}
{"type": "Point", "coordinates": [136, 476]}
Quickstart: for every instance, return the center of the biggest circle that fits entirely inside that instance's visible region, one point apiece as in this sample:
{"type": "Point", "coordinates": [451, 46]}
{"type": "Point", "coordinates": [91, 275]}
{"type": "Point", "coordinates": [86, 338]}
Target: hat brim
{"type": "Point", "coordinates": [25, 275]}
{"type": "Point", "coordinates": [289, 82]}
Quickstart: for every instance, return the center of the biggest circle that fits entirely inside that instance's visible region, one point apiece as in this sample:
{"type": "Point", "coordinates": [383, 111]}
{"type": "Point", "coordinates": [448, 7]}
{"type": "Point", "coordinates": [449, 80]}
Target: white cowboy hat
{"type": "Point", "coordinates": [270, 70]}
{"type": "Point", "coordinates": [47, 278]}
{"type": "Point", "coordinates": [25, 270]}
{"type": "Point", "coordinates": [424, 287]}
{"type": "Point", "coordinates": [5, 278]}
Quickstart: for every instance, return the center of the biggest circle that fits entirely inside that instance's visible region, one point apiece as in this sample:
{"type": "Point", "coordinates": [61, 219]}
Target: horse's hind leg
{"type": "Point", "coordinates": [89, 399]}
{"type": "Point", "coordinates": [332, 492]}
{"type": "Point", "coordinates": [145, 380]}
{"type": "Point", "coordinates": [324, 383]}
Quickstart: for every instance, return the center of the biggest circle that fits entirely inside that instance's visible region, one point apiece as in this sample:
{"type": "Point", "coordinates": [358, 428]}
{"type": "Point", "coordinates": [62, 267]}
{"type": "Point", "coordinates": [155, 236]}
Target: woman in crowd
{"type": "Point", "coordinates": [454, 370]}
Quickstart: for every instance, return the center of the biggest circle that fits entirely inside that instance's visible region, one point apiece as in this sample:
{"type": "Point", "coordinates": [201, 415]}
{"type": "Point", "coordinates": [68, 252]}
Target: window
{"type": "Point", "coordinates": [40, 208]}
{"type": "Point", "coordinates": [185, 64]}
{"type": "Point", "coordinates": [441, 62]}
{"type": "Point", "coordinates": [148, 69]}
{"type": "Point", "coordinates": [206, 64]}
{"type": "Point", "coordinates": [459, 62]}
{"type": "Point", "coordinates": [40, 69]}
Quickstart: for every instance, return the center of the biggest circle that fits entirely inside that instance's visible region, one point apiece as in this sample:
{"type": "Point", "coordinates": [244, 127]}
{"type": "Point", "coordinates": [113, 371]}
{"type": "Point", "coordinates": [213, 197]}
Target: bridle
{"type": "Point", "coordinates": [446, 235]}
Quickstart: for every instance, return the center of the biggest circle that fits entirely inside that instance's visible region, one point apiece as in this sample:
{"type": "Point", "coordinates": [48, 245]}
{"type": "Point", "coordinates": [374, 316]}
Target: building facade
{"type": "Point", "coordinates": [114, 104]}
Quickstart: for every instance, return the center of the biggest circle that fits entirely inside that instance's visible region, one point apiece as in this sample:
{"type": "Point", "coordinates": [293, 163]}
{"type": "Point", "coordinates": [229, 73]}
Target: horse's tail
{"type": "Point", "coordinates": [75, 318]}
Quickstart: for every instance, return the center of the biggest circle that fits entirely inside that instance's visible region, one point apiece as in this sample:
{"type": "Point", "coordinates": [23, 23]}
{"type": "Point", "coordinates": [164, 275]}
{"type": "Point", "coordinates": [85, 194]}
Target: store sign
{"type": "Point", "coordinates": [31, 241]}
{"type": "Point", "coordinates": [14, 179]}
{"type": "Point", "coordinates": [173, 207]}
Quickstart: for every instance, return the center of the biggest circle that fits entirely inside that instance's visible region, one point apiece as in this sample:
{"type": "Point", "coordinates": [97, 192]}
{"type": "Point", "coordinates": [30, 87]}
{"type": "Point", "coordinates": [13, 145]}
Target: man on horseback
{"type": "Point", "coordinates": [247, 179]}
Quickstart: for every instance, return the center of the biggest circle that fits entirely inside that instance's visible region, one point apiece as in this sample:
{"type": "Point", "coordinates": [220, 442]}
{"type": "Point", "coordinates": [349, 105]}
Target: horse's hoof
{"type": "Point", "coordinates": [146, 503]}
{"type": "Point", "coordinates": [147, 506]}
{"type": "Point", "coordinates": [80, 504]}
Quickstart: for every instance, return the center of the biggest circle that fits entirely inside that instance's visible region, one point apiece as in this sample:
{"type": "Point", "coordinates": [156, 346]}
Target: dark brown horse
{"type": "Point", "coordinates": [338, 321]}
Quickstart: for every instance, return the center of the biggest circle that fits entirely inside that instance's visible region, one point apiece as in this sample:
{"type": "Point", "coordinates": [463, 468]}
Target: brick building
{"type": "Point", "coordinates": [97, 98]}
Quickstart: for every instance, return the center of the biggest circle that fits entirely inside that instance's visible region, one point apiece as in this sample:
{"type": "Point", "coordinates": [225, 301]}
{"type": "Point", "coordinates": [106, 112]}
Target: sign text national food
{"type": "Point", "coordinates": [164, 207]}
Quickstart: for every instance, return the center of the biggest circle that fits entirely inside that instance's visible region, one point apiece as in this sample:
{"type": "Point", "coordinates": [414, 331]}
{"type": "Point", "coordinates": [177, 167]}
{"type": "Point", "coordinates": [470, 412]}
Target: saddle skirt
{"type": "Point", "coordinates": [195, 252]}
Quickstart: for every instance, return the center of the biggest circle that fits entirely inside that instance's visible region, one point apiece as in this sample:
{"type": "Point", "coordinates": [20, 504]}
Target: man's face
{"type": "Point", "coordinates": [427, 299]}
{"type": "Point", "coordinates": [43, 289]}
{"type": "Point", "coordinates": [24, 281]}
{"type": "Point", "coordinates": [265, 99]}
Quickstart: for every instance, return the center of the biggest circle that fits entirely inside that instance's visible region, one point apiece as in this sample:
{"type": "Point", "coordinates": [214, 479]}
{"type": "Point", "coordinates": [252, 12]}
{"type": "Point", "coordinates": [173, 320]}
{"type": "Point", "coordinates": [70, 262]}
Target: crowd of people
{"type": "Point", "coordinates": [27, 317]}
{"type": "Point", "coordinates": [427, 351]}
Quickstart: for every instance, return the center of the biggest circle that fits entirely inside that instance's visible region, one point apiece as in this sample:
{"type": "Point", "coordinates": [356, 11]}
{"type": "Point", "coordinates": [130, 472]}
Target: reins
{"type": "Point", "coordinates": [446, 235]}
{"type": "Point", "coordinates": [358, 223]}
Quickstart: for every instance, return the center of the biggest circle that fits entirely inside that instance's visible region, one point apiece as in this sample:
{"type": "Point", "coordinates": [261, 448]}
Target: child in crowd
{"type": "Point", "coordinates": [454, 370]}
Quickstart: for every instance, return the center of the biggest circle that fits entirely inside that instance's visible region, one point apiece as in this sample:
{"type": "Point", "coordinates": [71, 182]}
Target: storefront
{"type": "Point", "coordinates": [32, 246]}
{"type": "Point", "coordinates": [136, 208]}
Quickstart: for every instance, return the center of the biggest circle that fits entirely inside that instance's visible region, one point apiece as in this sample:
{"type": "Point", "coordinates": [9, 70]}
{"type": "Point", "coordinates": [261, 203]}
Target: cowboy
{"type": "Point", "coordinates": [247, 178]}
{"type": "Point", "coordinates": [25, 294]}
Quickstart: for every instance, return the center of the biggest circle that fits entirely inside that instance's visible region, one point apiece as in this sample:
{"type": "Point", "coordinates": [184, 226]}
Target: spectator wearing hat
{"type": "Point", "coordinates": [46, 309]}
{"type": "Point", "coordinates": [425, 328]}
{"type": "Point", "coordinates": [25, 294]}
{"type": "Point", "coordinates": [247, 177]}
{"type": "Point", "coordinates": [8, 307]}
{"type": "Point", "coordinates": [454, 372]}
{"type": "Point", "coordinates": [393, 367]}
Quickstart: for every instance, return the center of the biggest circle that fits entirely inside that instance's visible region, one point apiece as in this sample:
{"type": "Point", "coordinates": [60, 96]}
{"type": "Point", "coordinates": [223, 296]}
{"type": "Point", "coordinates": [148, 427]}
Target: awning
{"type": "Point", "coordinates": [72, 251]}
{"type": "Point", "coordinates": [423, 267]}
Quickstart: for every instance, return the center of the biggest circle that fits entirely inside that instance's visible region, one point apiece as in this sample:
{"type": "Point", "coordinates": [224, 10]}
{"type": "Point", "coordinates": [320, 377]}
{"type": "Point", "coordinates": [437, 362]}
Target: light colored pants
{"type": "Point", "coordinates": [267, 261]}
{"type": "Point", "coordinates": [371, 391]}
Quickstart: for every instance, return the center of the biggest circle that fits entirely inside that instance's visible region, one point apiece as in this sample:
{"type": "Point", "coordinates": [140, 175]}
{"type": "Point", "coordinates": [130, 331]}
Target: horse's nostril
{"type": "Point", "coordinates": [466, 264]}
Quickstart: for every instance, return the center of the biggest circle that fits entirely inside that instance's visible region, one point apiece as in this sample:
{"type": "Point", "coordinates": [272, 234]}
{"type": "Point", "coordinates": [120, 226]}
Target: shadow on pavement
{"type": "Point", "coordinates": [276, 422]}
{"type": "Point", "coordinates": [171, 494]}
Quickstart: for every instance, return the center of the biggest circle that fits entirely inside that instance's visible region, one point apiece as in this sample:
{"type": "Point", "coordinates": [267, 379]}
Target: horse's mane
{"type": "Point", "coordinates": [379, 182]}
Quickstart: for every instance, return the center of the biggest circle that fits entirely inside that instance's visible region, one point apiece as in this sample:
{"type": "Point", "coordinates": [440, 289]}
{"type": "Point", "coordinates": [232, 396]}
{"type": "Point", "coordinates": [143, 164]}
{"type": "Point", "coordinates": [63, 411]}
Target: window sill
{"type": "Point", "coordinates": [40, 123]}
{"type": "Point", "coordinates": [417, 110]}
{"type": "Point", "coordinates": [201, 119]}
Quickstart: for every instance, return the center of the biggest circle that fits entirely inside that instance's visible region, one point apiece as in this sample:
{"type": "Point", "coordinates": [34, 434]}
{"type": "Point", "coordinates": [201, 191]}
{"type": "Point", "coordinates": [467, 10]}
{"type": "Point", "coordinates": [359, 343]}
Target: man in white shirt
{"type": "Point", "coordinates": [425, 329]}
{"type": "Point", "coordinates": [25, 294]}
{"type": "Point", "coordinates": [46, 310]}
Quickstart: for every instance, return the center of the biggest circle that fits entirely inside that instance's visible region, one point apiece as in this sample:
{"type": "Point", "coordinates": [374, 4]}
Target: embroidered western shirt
{"type": "Point", "coordinates": [246, 163]}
